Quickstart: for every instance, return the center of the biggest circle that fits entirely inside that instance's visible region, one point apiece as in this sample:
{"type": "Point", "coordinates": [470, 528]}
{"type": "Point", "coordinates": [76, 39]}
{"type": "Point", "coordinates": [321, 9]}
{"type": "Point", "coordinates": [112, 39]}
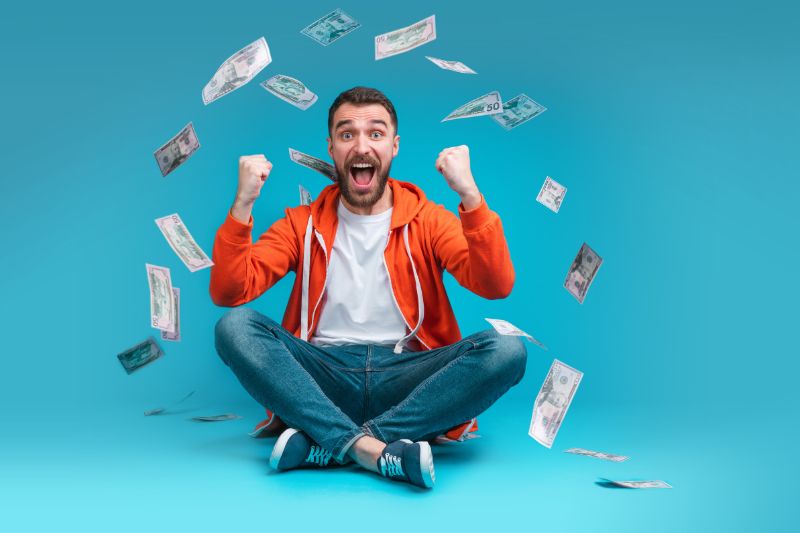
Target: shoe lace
{"type": "Point", "coordinates": [318, 455]}
{"type": "Point", "coordinates": [391, 466]}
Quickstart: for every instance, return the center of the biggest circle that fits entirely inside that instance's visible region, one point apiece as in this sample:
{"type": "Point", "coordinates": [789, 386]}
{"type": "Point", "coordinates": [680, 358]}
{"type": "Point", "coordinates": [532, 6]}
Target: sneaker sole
{"type": "Point", "coordinates": [426, 464]}
{"type": "Point", "coordinates": [280, 445]}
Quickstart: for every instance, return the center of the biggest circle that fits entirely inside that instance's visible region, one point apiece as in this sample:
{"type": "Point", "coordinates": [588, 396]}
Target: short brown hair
{"type": "Point", "coordinates": [362, 96]}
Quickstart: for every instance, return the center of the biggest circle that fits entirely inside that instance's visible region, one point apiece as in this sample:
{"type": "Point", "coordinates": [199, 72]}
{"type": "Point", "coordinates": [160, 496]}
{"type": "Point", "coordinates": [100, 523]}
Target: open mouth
{"type": "Point", "coordinates": [362, 174]}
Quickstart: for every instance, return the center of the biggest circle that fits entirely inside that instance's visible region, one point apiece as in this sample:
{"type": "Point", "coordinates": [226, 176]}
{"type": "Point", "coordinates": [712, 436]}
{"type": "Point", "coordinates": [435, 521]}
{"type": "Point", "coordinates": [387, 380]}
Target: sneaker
{"type": "Point", "coordinates": [408, 461]}
{"type": "Point", "coordinates": [295, 449]}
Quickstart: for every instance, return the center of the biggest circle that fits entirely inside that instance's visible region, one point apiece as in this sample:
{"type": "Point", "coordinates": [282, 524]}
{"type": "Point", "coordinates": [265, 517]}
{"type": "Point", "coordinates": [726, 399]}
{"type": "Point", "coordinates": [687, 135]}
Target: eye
{"type": "Point", "coordinates": [347, 135]}
{"type": "Point", "coordinates": [376, 134]}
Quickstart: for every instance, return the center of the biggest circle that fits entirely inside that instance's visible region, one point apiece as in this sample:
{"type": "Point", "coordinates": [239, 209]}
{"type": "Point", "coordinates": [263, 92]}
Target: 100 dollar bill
{"type": "Point", "coordinates": [182, 243]}
{"type": "Point", "coordinates": [518, 111]}
{"type": "Point", "coordinates": [323, 167]}
{"type": "Point", "coordinates": [405, 39]}
{"type": "Point", "coordinates": [331, 27]}
{"type": "Point", "coordinates": [237, 70]}
{"type": "Point", "coordinates": [553, 401]}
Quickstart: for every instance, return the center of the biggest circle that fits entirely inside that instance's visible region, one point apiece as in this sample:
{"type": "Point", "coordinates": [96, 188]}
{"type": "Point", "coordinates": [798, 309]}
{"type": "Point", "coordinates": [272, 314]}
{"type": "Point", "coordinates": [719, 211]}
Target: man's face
{"type": "Point", "coordinates": [362, 144]}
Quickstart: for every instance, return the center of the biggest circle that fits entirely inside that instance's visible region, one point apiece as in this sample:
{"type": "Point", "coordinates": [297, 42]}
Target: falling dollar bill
{"type": "Point", "coordinates": [331, 27]}
{"type": "Point", "coordinates": [216, 418]}
{"type": "Point", "coordinates": [507, 328]}
{"type": "Point", "coordinates": [598, 455]}
{"type": "Point", "coordinates": [517, 111]}
{"type": "Point", "coordinates": [405, 39]}
{"type": "Point", "coordinates": [290, 90]}
{"type": "Point", "coordinates": [552, 194]}
{"type": "Point", "coordinates": [176, 336]}
{"type": "Point", "coordinates": [455, 66]}
{"type": "Point", "coordinates": [159, 410]}
{"type": "Point", "coordinates": [305, 196]}
{"type": "Point", "coordinates": [323, 167]}
{"type": "Point", "coordinates": [553, 401]}
{"type": "Point", "coordinates": [488, 104]}
{"type": "Point", "coordinates": [582, 272]}
{"type": "Point", "coordinates": [182, 243]}
{"type": "Point", "coordinates": [140, 355]}
{"type": "Point", "coordinates": [237, 70]}
{"type": "Point", "coordinates": [653, 484]}
{"type": "Point", "coordinates": [162, 299]}
{"type": "Point", "coordinates": [177, 150]}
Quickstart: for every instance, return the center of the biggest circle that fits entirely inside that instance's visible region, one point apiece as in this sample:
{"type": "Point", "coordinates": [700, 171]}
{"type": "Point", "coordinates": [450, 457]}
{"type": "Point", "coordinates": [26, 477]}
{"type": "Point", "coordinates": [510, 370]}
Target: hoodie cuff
{"type": "Point", "coordinates": [475, 218]}
{"type": "Point", "coordinates": [236, 231]}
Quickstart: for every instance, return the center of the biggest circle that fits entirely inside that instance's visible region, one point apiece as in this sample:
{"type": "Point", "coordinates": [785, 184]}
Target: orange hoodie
{"type": "Point", "coordinates": [424, 239]}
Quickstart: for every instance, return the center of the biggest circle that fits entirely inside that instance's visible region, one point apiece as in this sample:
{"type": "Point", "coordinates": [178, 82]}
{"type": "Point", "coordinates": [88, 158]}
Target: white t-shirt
{"type": "Point", "coordinates": [359, 306]}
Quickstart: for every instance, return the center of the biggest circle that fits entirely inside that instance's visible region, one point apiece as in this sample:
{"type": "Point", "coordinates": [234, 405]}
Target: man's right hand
{"type": "Point", "coordinates": [253, 172]}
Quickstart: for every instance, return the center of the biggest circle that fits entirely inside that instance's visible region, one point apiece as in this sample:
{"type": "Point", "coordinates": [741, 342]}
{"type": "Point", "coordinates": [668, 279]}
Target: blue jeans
{"type": "Point", "coordinates": [337, 394]}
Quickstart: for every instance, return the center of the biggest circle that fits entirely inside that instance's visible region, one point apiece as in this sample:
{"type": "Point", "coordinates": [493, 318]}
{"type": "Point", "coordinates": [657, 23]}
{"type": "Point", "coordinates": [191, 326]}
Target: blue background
{"type": "Point", "coordinates": [675, 128]}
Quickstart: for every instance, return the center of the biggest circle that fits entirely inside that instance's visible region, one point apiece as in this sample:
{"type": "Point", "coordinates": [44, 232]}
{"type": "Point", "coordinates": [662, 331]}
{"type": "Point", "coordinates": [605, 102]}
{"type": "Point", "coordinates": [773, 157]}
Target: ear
{"type": "Point", "coordinates": [330, 147]}
{"type": "Point", "coordinates": [396, 147]}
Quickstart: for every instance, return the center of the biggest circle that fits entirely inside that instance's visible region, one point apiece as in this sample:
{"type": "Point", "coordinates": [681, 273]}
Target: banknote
{"type": "Point", "coordinates": [331, 27]}
{"type": "Point", "coordinates": [323, 167]}
{"type": "Point", "coordinates": [290, 90]}
{"type": "Point", "coordinates": [442, 439]}
{"type": "Point", "coordinates": [177, 150]}
{"type": "Point", "coordinates": [182, 243]}
{"type": "Point", "coordinates": [654, 484]}
{"type": "Point", "coordinates": [176, 336]}
{"type": "Point", "coordinates": [162, 299]}
{"type": "Point", "coordinates": [237, 70]}
{"type": "Point", "coordinates": [305, 196]}
{"type": "Point", "coordinates": [582, 272]}
{"type": "Point", "coordinates": [552, 194]}
{"type": "Point", "coordinates": [159, 410]}
{"type": "Point", "coordinates": [518, 110]}
{"type": "Point", "coordinates": [598, 455]}
{"type": "Point", "coordinates": [553, 402]}
{"type": "Point", "coordinates": [455, 66]}
{"type": "Point", "coordinates": [488, 104]}
{"type": "Point", "coordinates": [507, 328]}
{"type": "Point", "coordinates": [140, 355]}
{"type": "Point", "coordinates": [216, 418]}
{"type": "Point", "coordinates": [405, 39]}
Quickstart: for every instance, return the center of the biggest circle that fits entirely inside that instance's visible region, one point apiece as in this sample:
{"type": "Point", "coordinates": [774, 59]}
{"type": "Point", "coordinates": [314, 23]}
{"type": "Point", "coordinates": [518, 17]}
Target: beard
{"type": "Point", "coordinates": [358, 198]}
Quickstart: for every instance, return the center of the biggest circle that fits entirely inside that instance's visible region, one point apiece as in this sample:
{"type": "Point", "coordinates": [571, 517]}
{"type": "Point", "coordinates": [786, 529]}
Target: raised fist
{"type": "Point", "coordinates": [253, 172]}
{"type": "Point", "coordinates": [453, 164]}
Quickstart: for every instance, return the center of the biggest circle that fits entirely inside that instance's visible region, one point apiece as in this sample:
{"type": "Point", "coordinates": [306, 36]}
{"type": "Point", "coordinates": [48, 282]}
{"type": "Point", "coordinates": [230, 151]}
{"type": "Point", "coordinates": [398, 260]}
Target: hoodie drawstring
{"type": "Point", "coordinates": [398, 348]}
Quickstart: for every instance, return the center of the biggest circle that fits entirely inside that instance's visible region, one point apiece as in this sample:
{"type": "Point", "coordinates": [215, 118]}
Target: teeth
{"type": "Point", "coordinates": [361, 165]}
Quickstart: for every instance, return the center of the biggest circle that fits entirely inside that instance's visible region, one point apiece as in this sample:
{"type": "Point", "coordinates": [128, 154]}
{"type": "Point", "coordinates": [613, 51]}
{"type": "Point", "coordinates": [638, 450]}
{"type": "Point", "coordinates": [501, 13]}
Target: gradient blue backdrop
{"type": "Point", "coordinates": [675, 128]}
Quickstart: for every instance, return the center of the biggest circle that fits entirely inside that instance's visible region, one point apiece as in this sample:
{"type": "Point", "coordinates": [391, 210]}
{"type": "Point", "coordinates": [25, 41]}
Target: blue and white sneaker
{"type": "Point", "coordinates": [408, 461]}
{"type": "Point", "coordinates": [295, 449]}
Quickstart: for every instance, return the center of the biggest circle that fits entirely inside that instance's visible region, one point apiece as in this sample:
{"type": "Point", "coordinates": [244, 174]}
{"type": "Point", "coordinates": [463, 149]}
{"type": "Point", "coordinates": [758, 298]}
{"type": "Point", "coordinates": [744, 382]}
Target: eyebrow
{"type": "Point", "coordinates": [349, 121]}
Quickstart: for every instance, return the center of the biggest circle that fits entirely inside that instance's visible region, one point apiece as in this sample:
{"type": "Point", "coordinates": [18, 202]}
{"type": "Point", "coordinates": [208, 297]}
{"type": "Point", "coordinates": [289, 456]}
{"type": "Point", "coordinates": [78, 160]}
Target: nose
{"type": "Point", "coordinates": [362, 145]}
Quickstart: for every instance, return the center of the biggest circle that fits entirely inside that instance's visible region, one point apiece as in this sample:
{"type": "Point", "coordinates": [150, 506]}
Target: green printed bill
{"type": "Point", "coordinates": [488, 104]}
{"type": "Point", "coordinates": [405, 39]}
{"type": "Point", "coordinates": [177, 150]}
{"type": "Point", "coordinates": [162, 299]}
{"type": "Point", "coordinates": [504, 327]}
{"type": "Point", "coordinates": [238, 70]}
{"type": "Point", "coordinates": [216, 418]}
{"type": "Point", "coordinates": [551, 194]}
{"type": "Point", "coordinates": [305, 196]}
{"type": "Point", "coordinates": [553, 401]}
{"type": "Point", "coordinates": [582, 272]}
{"type": "Point", "coordinates": [140, 355]}
{"type": "Point", "coordinates": [323, 167]}
{"type": "Point", "coordinates": [598, 455]}
{"type": "Point", "coordinates": [182, 243]}
{"type": "Point", "coordinates": [518, 111]}
{"type": "Point", "coordinates": [650, 484]}
{"type": "Point", "coordinates": [176, 335]}
{"type": "Point", "coordinates": [455, 66]}
{"type": "Point", "coordinates": [331, 27]}
{"type": "Point", "coordinates": [290, 90]}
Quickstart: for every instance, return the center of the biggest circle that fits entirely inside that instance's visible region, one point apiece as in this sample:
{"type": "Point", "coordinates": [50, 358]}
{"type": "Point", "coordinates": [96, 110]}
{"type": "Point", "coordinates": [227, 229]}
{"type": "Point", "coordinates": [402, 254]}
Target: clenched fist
{"type": "Point", "coordinates": [253, 172]}
{"type": "Point", "coordinates": [453, 164]}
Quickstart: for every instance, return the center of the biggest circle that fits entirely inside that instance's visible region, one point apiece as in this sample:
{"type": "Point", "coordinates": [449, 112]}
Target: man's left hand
{"type": "Point", "coordinates": [453, 164]}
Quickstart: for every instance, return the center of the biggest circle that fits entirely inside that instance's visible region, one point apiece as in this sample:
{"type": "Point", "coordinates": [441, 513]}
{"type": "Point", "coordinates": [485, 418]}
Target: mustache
{"type": "Point", "coordinates": [362, 159]}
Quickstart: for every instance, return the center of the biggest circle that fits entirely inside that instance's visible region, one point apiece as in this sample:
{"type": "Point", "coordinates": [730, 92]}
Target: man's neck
{"type": "Point", "coordinates": [383, 204]}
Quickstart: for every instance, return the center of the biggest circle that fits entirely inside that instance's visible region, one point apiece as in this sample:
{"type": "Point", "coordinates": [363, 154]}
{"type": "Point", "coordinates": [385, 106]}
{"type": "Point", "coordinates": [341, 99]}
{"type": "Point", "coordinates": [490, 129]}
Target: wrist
{"type": "Point", "coordinates": [471, 199]}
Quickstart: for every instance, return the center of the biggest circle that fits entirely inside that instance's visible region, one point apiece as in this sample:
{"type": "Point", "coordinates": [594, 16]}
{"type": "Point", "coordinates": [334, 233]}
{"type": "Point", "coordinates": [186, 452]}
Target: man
{"type": "Point", "coordinates": [368, 363]}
